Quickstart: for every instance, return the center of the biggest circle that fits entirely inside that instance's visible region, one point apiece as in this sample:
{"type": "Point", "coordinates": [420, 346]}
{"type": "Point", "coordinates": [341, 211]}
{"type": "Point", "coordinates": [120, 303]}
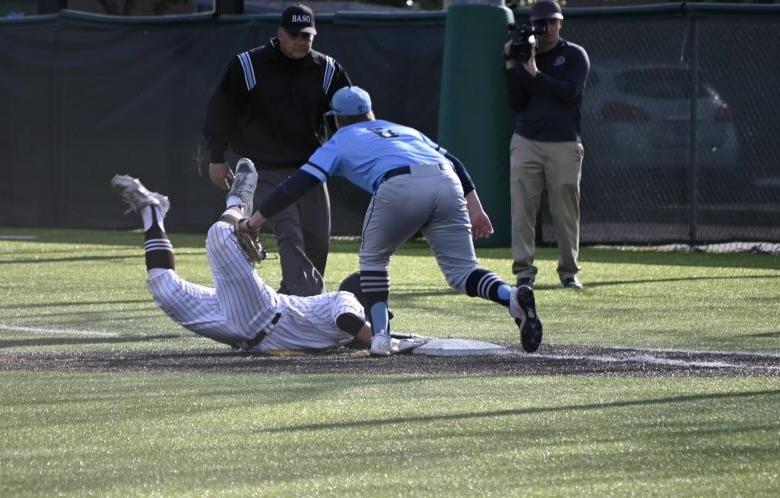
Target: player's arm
{"type": "Point", "coordinates": [286, 194]}
{"type": "Point", "coordinates": [460, 170]}
{"type": "Point", "coordinates": [481, 227]}
{"type": "Point", "coordinates": [480, 222]}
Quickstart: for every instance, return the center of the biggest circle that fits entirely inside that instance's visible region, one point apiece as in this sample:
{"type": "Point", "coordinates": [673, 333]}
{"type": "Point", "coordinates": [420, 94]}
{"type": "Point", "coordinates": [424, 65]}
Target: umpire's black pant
{"type": "Point", "coordinates": [302, 232]}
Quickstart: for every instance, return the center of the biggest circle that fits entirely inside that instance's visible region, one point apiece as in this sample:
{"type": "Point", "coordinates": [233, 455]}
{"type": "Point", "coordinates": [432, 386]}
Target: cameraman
{"type": "Point", "coordinates": [546, 151]}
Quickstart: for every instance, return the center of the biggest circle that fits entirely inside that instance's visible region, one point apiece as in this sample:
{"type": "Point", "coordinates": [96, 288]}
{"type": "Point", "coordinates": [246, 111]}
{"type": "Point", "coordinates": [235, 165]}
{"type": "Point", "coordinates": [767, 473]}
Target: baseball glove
{"type": "Point", "coordinates": [249, 241]}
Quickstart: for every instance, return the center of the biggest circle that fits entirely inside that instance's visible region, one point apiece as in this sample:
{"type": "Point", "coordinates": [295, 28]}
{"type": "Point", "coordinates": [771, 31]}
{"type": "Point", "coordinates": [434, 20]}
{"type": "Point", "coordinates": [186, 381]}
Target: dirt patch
{"type": "Point", "coordinates": [549, 360]}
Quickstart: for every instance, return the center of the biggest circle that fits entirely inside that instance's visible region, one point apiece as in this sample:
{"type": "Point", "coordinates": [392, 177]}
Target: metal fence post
{"type": "Point", "coordinates": [693, 166]}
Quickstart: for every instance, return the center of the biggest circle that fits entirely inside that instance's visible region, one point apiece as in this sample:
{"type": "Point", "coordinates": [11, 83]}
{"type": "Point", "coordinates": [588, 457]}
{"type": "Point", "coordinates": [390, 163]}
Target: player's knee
{"type": "Point", "coordinates": [161, 288]}
{"type": "Point", "coordinates": [218, 234]}
{"type": "Point", "coordinates": [457, 280]}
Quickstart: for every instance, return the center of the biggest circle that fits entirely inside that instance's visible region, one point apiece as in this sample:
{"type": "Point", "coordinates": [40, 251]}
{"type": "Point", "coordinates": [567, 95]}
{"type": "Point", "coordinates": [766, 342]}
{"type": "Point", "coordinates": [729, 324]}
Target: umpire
{"type": "Point", "coordinates": [269, 106]}
{"type": "Point", "coordinates": [546, 150]}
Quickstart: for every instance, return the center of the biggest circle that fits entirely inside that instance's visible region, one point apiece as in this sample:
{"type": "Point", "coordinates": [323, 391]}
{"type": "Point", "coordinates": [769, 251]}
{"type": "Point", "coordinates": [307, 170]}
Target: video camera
{"type": "Point", "coordinates": [524, 40]}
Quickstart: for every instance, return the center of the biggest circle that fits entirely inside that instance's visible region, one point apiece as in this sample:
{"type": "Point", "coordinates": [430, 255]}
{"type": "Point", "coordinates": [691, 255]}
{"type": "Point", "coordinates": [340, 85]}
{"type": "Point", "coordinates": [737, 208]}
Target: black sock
{"type": "Point", "coordinates": [375, 286]}
{"type": "Point", "coordinates": [157, 248]}
{"type": "Point", "coordinates": [485, 284]}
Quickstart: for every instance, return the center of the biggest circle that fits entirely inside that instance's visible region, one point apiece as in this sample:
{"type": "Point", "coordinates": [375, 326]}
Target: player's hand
{"type": "Point", "coordinates": [220, 175]}
{"type": "Point", "coordinates": [481, 227]}
{"type": "Point", "coordinates": [255, 221]}
{"type": "Point", "coordinates": [480, 221]}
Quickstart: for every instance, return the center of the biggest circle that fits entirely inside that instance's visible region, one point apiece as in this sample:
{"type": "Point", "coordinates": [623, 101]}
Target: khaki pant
{"type": "Point", "coordinates": [534, 167]}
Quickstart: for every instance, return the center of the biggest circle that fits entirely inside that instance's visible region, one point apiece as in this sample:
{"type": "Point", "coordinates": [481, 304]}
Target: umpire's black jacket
{"type": "Point", "coordinates": [270, 108]}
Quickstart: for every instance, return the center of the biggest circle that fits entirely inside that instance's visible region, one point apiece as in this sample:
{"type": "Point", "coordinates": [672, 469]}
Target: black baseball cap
{"type": "Point", "coordinates": [545, 9]}
{"type": "Point", "coordinates": [298, 19]}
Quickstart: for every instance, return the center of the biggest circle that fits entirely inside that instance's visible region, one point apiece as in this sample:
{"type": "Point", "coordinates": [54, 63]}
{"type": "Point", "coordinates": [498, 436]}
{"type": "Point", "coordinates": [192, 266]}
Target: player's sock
{"type": "Point", "coordinates": [488, 285]}
{"type": "Point", "coordinates": [157, 248]}
{"type": "Point", "coordinates": [375, 286]}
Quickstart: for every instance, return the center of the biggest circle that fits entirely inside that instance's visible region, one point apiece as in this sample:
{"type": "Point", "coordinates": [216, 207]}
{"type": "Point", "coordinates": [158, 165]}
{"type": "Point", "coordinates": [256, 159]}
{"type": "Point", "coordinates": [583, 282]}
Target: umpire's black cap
{"type": "Point", "coordinates": [298, 18]}
{"type": "Point", "coordinates": [545, 9]}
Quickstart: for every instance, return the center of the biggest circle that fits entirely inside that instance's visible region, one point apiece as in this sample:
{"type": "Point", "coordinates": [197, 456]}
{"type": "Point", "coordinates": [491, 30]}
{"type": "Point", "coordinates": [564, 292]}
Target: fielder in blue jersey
{"type": "Point", "coordinates": [416, 186]}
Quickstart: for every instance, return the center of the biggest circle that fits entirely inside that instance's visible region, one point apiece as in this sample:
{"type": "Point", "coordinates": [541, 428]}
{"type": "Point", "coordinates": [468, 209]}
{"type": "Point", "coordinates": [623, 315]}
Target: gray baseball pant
{"type": "Point", "coordinates": [430, 200]}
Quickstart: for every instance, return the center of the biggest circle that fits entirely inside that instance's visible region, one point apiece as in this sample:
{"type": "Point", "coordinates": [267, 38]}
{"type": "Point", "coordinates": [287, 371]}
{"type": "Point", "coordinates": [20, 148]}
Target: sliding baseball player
{"type": "Point", "coordinates": [241, 310]}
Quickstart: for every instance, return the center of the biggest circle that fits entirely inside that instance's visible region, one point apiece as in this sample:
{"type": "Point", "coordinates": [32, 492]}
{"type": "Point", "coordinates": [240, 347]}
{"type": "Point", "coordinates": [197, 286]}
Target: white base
{"type": "Point", "coordinates": [459, 347]}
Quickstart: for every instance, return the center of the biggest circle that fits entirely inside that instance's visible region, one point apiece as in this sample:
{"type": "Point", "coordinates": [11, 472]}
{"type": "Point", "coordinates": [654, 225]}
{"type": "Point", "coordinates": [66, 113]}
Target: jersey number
{"type": "Point", "coordinates": [385, 133]}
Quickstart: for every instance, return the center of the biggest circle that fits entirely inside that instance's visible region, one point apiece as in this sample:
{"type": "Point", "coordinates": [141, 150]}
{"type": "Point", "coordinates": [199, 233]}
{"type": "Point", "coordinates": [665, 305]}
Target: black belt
{"type": "Point", "coordinates": [401, 170]}
{"type": "Point", "coordinates": [405, 170]}
{"type": "Point", "coordinates": [261, 335]}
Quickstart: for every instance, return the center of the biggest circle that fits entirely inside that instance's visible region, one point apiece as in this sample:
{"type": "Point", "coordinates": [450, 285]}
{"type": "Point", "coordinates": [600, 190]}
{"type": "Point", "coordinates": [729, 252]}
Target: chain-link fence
{"type": "Point", "coordinates": [660, 82]}
{"type": "Point", "coordinates": [82, 98]}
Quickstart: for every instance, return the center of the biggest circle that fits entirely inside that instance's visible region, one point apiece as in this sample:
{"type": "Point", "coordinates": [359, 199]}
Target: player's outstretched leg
{"type": "Point", "coordinates": [152, 207]}
{"type": "Point", "coordinates": [520, 300]}
{"type": "Point", "coordinates": [522, 307]}
{"type": "Point", "coordinates": [242, 191]}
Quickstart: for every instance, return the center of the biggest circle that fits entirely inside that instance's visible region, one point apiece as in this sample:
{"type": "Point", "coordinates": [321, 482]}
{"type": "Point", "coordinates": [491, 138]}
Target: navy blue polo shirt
{"type": "Point", "coordinates": [548, 106]}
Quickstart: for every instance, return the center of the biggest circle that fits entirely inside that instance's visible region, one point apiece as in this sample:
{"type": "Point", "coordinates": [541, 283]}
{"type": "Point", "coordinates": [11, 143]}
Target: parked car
{"type": "Point", "coordinates": [639, 117]}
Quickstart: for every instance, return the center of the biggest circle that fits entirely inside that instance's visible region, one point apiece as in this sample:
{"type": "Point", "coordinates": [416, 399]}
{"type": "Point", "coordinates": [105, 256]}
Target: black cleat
{"type": "Point", "coordinates": [523, 309]}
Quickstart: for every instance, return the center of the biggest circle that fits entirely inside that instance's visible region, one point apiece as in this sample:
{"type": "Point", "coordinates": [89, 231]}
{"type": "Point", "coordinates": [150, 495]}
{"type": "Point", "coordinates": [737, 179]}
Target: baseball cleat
{"type": "Point", "coordinates": [523, 309]}
{"type": "Point", "coordinates": [136, 196]}
{"type": "Point", "coordinates": [380, 345]}
{"type": "Point", "coordinates": [400, 346]}
{"type": "Point", "coordinates": [244, 184]}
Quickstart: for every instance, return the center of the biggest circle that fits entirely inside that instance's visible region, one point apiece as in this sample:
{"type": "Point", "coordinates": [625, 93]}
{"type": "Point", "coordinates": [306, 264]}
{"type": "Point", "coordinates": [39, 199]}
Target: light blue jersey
{"type": "Point", "coordinates": [363, 152]}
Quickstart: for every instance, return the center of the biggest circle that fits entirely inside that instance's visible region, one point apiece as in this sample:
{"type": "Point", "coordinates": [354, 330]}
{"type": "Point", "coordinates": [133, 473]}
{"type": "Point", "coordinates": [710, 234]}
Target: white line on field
{"type": "Point", "coordinates": [703, 351]}
{"type": "Point", "coordinates": [655, 361]}
{"type": "Point", "coordinates": [41, 330]}
{"type": "Point", "coordinates": [18, 237]}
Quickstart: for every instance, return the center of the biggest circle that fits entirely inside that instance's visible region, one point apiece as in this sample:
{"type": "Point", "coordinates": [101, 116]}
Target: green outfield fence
{"type": "Point", "coordinates": [84, 96]}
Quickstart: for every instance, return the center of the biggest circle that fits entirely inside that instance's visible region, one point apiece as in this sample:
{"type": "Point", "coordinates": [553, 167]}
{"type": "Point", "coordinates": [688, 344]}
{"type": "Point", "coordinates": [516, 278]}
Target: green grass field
{"type": "Point", "coordinates": [239, 434]}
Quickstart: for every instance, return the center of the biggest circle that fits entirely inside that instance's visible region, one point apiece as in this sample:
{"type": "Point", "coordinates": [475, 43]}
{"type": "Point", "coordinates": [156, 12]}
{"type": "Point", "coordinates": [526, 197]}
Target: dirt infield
{"type": "Point", "coordinates": [549, 360]}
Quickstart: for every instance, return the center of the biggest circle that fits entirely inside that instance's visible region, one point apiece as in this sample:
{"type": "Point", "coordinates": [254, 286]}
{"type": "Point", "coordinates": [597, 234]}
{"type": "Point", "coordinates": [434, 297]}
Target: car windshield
{"type": "Point", "coordinates": [657, 83]}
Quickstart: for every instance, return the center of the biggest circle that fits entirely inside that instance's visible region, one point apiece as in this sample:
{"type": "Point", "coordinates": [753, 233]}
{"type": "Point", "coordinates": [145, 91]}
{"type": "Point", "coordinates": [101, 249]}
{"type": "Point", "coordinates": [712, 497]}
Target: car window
{"type": "Point", "coordinates": [658, 83]}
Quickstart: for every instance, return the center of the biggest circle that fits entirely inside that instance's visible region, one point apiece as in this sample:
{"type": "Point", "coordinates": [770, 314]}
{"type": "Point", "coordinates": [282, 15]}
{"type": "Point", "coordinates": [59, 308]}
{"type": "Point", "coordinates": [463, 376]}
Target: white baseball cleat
{"type": "Point", "coordinates": [400, 346]}
{"type": "Point", "coordinates": [136, 196]}
{"type": "Point", "coordinates": [522, 307]}
{"type": "Point", "coordinates": [380, 345]}
{"type": "Point", "coordinates": [244, 184]}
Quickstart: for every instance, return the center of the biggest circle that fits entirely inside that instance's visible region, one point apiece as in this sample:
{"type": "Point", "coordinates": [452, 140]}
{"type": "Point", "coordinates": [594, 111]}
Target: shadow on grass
{"type": "Point", "coordinates": [131, 237]}
{"type": "Point", "coordinates": [401, 292]}
{"type": "Point", "coordinates": [523, 411]}
{"type": "Point", "coordinates": [70, 341]}
{"type": "Point", "coordinates": [71, 259]}
{"type": "Point", "coordinates": [764, 334]}
{"type": "Point", "coordinates": [668, 280]}
{"type": "Point", "coordinates": [75, 303]}
{"type": "Point", "coordinates": [672, 258]}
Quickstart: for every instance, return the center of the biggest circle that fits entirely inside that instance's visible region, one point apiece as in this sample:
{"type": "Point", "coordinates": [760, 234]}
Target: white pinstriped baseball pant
{"type": "Point", "coordinates": [241, 304]}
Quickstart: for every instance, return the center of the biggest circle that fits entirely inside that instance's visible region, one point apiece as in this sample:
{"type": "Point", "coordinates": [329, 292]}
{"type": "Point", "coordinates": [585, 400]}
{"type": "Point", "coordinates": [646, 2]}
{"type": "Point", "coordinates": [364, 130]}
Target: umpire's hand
{"type": "Point", "coordinates": [220, 175]}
